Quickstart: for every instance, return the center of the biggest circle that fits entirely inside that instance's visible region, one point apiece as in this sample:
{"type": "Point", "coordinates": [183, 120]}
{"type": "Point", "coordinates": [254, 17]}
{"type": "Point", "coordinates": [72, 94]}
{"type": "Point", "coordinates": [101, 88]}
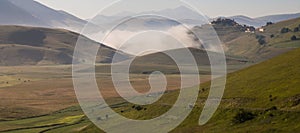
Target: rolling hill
{"type": "Point", "coordinates": [268, 91]}
{"type": "Point", "coordinates": [201, 57]}
{"type": "Point", "coordinates": [258, 46]}
{"type": "Point", "coordinates": [41, 46]}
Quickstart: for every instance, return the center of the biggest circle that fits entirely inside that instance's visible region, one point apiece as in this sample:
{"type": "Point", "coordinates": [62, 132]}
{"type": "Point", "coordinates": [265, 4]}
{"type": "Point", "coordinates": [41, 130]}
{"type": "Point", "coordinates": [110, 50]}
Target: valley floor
{"type": "Point", "coordinates": [261, 98]}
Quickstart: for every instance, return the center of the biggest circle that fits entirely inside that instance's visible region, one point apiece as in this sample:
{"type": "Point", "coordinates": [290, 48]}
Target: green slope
{"type": "Point", "coordinates": [274, 83]}
{"type": "Point", "coordinates": [262, 98]}
{"type": "Point", "coordinates": [269, 91]}
{"type": "Point", "coordinates": [257, 89]}
{"type": "Point", "coordinates": [246, 45]}
{"type": "Point", "coordinates": [21, 45]}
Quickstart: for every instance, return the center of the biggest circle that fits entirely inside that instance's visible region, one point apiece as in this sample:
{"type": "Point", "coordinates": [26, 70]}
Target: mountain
{"type": "Point", "coordinates": [278, 18]}
{"type": "Point", "coordinates": [41, 46]}
{"type": "Point", "coordinates": [184, 14]}
{"type": "Point", "coordinates": [32, 13]}
{"type": "Point", "coordinates": [12, 14]}
{"type": "Point", "coordinates": [181, 14]}
{"type": "Point", "coordinates": [261, 21]}
{"type": "Point", "coordinates": [248, 21]}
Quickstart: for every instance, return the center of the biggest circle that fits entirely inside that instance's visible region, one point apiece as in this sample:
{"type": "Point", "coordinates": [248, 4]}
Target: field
{"type": "Point", "coordinates": [46, 101]}
{"type": "Point", "coordinates": [36, 98]}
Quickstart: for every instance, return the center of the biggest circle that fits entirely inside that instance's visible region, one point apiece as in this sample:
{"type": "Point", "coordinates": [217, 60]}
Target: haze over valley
{"type": "Point", "coordinates": [44, 51]}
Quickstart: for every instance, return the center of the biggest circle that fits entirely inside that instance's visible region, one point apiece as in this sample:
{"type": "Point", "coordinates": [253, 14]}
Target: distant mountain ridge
{"type": "Point", "coordinates": [188, 16]}
{"type": "Point", "coordinates": [179, 14]}
{"type": "Point", "coordinates": [32, 13]}
{"type": "Point", "coordinates": [261, 21]}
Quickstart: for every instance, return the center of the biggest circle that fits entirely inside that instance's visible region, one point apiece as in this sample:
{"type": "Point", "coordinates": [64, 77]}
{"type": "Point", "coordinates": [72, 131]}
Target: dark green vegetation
{"type": "Point", "coordinates": [261, 98]}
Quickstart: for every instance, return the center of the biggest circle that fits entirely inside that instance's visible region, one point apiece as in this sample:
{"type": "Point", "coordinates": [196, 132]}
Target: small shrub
{"type": "Point", "coordinates": [261, 39]}
{"type": "Point", "coordinates": [272, 35]}
{"type": "Point", "coordinates": [285, 30]}
{"type": "Point", "coordinates": [269, 23]}
{"type": "Point", "coordinates": [272, 108]}
{"type": "Point", "coordinates": [243, 116]}
{"type": "Point", "coordinates": [293, 38]}
{"type": "Point", "coordinates": [138, 108]}
{"type": "Point", "coordinates": [296, 29]}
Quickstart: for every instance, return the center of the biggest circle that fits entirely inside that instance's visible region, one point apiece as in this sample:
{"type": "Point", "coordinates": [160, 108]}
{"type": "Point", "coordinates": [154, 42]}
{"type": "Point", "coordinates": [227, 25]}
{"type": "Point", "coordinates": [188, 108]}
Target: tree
{"type": "Point", "coordinates": [285, 30]}
{"type": "Point", "coordinates": [269, 23]}
{"type": "Point", "coordinates": [261, 39]}
{"type": "Point", "coordinates": [293, 38]}
{"type": "Point", "coordinates": [272, 36]}
{"type": "Point", "coordinates": [138, 108]}
{"type": "Point", "coordinates": [296, 29]}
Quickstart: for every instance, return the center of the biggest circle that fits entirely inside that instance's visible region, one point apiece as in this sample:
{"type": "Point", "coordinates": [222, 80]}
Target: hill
{"type": "Point", "coordinates": [257, 45]}
{"type": "Point", "coordinates": [267, 92]}
{"type": "Point", "coordinates": [41, 46]}
{"type": "Point", "coordinates": [201, 57]}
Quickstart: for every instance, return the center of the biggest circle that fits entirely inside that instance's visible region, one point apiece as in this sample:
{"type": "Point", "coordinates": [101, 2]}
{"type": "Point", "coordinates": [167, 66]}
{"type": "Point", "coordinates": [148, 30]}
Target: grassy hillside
{"type": "Point", "coordinates": [40, 46]}
{"type": "Point", "coordinates": [259, 46]}
{"type": "Point", "coordinates": [261, 98]}
{"type": "Point", "coordinates": [283, 39]}
{"type": "Point", "coordinates": [269, 92]}
{"type": "Point", "coordinates": [201, 57]}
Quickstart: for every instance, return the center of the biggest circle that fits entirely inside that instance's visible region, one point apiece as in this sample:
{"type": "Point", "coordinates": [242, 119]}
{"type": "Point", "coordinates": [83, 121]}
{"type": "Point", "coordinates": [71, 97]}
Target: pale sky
{"type": "Point", "coordinates": [86, 9]}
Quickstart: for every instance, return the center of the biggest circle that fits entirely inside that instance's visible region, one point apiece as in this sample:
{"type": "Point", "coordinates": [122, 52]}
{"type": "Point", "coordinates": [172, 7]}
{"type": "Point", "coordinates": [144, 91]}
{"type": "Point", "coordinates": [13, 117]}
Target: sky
{"type": "Point", "coordinates": [87, 9]}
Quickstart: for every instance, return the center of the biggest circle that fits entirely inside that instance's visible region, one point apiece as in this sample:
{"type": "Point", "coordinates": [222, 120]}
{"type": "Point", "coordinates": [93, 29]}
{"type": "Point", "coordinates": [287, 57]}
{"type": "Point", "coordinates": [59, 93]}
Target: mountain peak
{"type": "Point", "coordinates": [33, 13]}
